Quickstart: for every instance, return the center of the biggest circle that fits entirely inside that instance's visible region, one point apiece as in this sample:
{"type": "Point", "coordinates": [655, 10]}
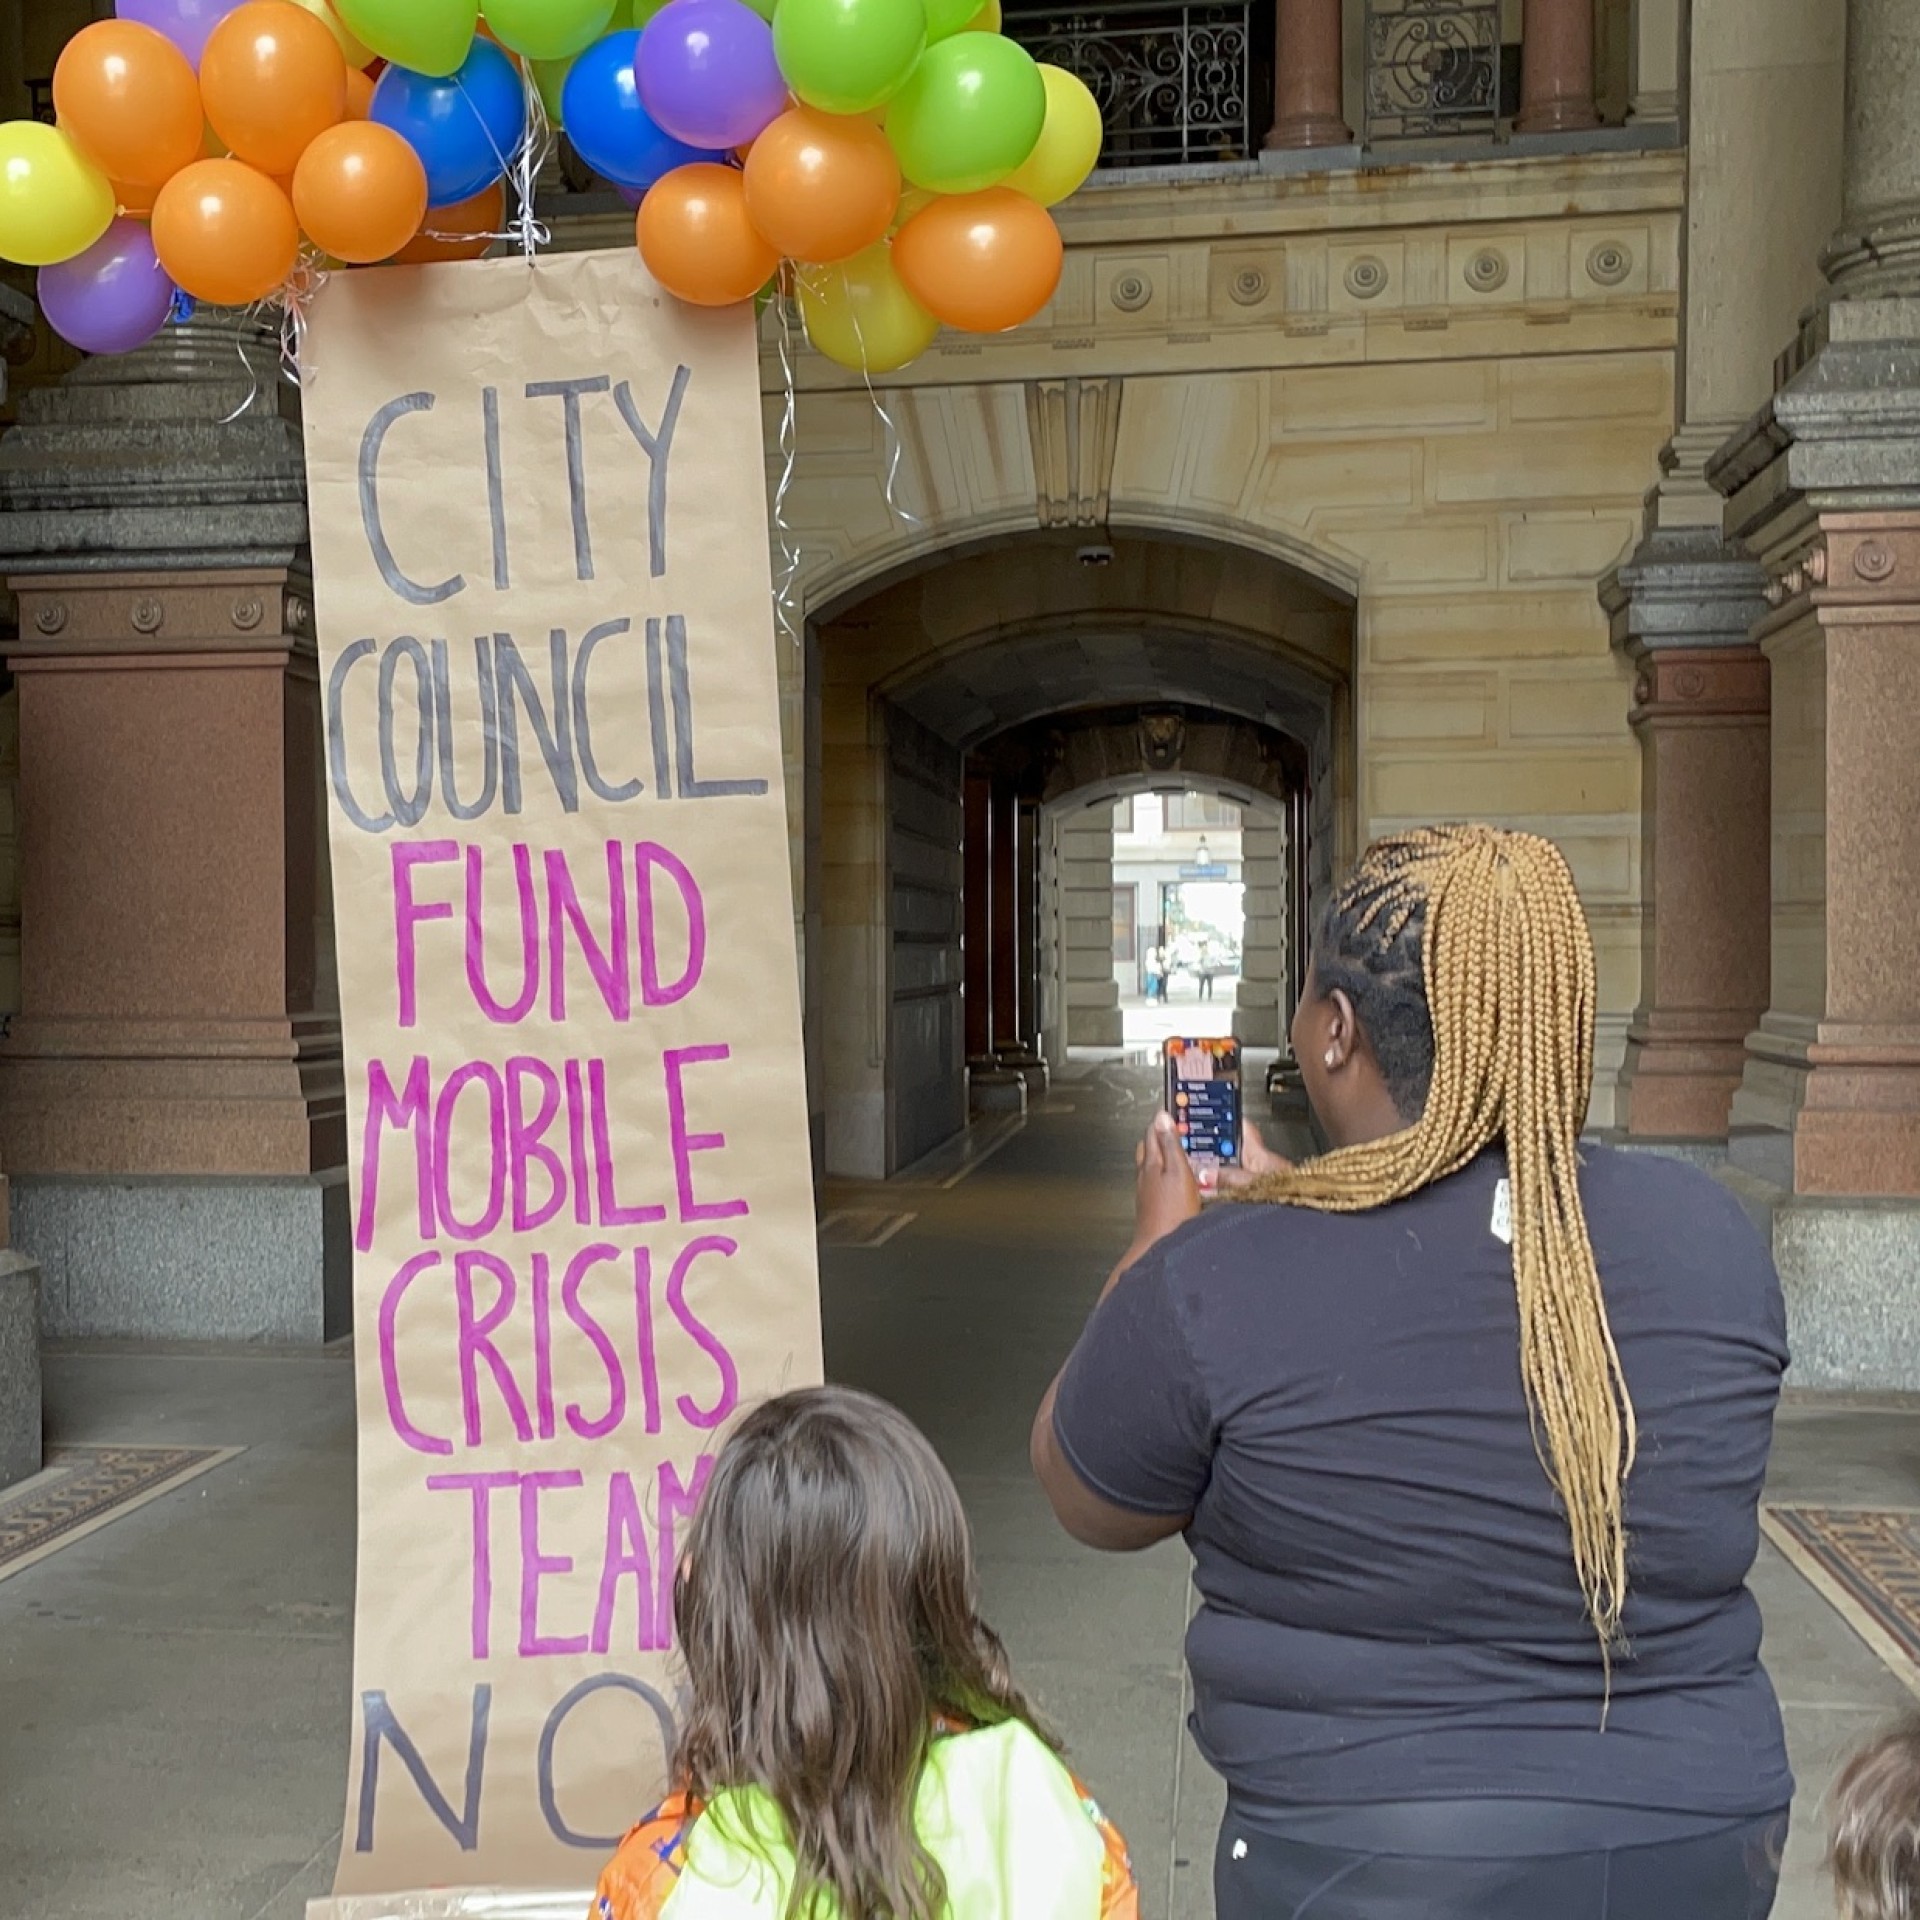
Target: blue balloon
{"type": "Point", "coordinates": [466, 128]}
{"type": "Point", "coordinates": [610, 130]}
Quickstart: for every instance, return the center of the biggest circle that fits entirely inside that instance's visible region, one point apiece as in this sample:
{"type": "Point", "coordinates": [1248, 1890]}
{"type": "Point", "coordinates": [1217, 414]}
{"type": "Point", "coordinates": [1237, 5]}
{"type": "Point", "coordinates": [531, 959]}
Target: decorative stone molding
{"type": "Point", "coordinates": [1074, 426]}
{"type": "Point", "coordinates": [1367, 277]}
{"type": "Point", "coordinates": [1805, 568]}
{"type": "Point", "coordinates": [1610, 264]}
{"type": "Point", "coordinates": [1488, 271]}
{"type": "Point", "coordinates": [133, 614]}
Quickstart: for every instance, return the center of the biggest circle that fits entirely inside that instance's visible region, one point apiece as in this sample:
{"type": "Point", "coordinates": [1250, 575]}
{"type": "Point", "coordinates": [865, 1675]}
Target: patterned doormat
{"type": "Point", "coordinates": [1865, 1563]}
{"type": "Point", "coordinates": [83, 1489]}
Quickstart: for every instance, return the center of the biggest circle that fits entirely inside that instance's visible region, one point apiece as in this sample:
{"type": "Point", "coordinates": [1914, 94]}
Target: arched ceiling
{"type": "Point", "coordinates": [971, 693]}
{"type": "Point", "coordinates": [990, 640]}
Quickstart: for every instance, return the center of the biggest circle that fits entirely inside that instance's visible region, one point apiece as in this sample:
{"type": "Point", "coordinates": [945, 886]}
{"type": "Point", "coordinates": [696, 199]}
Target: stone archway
{"type": "Point", "coordinates": [1044, 657]}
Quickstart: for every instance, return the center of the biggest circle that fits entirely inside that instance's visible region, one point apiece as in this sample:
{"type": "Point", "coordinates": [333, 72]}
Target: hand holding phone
{"type": "Point", "coordinates": [1203, 1098]}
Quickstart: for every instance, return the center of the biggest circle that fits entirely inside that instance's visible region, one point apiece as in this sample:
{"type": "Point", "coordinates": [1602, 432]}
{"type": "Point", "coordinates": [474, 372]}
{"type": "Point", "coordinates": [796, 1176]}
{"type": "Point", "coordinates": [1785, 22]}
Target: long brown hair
{"type": "Point", "coordinates": [1467, 957]}
{"type": "Point", "coordinates": [1873, 1843]}
{"type": "Point", "coordinates": [828, 1610]}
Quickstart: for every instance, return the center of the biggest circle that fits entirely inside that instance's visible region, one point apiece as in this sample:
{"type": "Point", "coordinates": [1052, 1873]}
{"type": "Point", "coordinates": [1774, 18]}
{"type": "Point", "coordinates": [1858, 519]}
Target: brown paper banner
{"type": "Point", "coordinates": [582, 1203]}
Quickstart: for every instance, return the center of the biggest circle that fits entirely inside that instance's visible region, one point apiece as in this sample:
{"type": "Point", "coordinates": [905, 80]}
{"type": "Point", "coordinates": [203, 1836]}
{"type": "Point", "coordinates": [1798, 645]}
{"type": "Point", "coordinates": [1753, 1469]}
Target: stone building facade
{"type": "Point", "coordinates": [1569, 480]}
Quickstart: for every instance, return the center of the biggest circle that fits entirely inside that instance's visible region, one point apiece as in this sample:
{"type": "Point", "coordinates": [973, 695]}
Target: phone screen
{"type": "Point", "coordinates": [1203, 1096]}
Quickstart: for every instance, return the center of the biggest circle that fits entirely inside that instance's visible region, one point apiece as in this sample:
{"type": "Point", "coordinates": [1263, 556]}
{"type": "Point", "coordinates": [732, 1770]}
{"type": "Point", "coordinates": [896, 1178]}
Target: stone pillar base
{"type": "Point", "coordinates": [1031, 1066]}
{"type": "Point", "coordinates": [995, 1089]}
{"type": "Point", "coordinates": [20, 1432]}
{"type": "Point", "coordinates": [1848, 1268]}
{"type": "Point", "coordinates": [160, 1258]}
{"type": "Point", "coordinates": [1096, 1027]}
{"type": "Point", "coordinates": [1680, 1077]}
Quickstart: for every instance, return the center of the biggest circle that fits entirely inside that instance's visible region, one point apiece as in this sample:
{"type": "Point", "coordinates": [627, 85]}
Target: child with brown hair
{"type": "Point", "coordinates": [855, 1747]}
{"type": "Point", "coordinates": [1874, 1829]}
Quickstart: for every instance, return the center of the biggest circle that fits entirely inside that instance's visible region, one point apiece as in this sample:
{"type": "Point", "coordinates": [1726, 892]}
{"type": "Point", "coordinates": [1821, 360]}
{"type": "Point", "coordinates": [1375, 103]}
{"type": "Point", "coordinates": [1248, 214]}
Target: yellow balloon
{"type": "Point", "coordinates": [860, 316]}
{"type": "Point", "coordinates": [987, 20]}
{"type": "Point", "coordinates": [54, 202]}
{"type": "Point", "coordinates": [912, 200]}
{"type": "Point", "coordinates": [1069, 145]}
{"type": "Point", "coordinates": [358, 53]}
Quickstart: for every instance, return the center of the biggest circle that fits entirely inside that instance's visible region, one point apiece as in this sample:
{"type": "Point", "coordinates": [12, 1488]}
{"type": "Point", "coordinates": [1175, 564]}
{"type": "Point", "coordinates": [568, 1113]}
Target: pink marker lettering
{"type": "Point", "coordinates": [475, 1343]}
{"type": "Point", "coordinates": [501, 1013]}
{"type": "Point", "coordinates": [411, 1435]}
{"type": "Point", "coordinates": [408, 913]}
{"type": "Point", "coordinates": [481, 1486]}
{"type": "Point", "coordinates": [703, 1336]}
{"type": "Point", "coordinates": [685, 1145]}
{"type": "Point", "coordinates": [535, 1566]}
{"type": "Point", "coordinates": [626, 1557]}
{"type": "Point", "coordinates": [409, 1109]}
{"type": "Point", "coordinates": [653, 991]}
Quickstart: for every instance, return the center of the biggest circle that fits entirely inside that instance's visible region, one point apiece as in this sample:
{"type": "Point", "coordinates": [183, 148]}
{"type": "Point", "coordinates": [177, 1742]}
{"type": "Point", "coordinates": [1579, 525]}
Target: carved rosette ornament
{"type": "Point", "coordinates": [1799, 573]}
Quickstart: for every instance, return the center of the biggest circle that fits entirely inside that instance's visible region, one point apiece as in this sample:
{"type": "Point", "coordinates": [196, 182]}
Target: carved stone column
{"type": "Point", "coordinates": [1683, 609]}
{"type": "Point", "coordinates": [1257, 998]}
{"type": "Point", "coordinates": [1556, 67]}
{"type": "Point", "coordinates": [20, 1400]}
{"type": "Point", "coordinates": [171, 1101]}
{"type": "Point", "coordinates": [1877, 247]}
{"type": "Point", "coordinates": [1308, 76]}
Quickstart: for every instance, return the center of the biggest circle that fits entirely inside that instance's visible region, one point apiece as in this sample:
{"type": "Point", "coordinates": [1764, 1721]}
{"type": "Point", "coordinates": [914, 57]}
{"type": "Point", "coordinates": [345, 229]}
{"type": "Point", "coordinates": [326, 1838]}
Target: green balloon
{"type": "Point", "coordinates": [945, 18]}
{"type": "Point", "coordinates": [970, 115]}
{"type": "Point", "coordinates": [640, 11]}
{"type": "Point", "coordinates": [550, 76]}
{"type": "Point", "coordinates": [430, 36]}
{"type": "Point", "coordinates": [548, 29]}
{"type": "Point", "coordinates": [848, 56]}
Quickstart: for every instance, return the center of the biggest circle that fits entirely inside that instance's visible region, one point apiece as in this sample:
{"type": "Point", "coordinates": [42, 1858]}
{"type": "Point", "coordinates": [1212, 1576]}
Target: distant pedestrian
{"type": "Point", "coordinates": [853, 1742]}
{"type": "Point", "coordinates": [1873, 1846]}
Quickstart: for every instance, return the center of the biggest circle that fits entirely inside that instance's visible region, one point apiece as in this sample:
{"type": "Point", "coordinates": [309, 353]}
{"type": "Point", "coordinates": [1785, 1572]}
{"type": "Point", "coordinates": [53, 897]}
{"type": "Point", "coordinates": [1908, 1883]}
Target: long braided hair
{"type": "Point", "coordinates": [1470, 967]}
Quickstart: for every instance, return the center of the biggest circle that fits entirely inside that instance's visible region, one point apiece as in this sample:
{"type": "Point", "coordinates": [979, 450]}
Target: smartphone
{"type": "Point", "coordinates": [1203, 1096]}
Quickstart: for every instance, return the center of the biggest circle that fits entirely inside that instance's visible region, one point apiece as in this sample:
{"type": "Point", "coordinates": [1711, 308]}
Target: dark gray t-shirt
{"type": "Point", "coordinates": [1389, 1606]}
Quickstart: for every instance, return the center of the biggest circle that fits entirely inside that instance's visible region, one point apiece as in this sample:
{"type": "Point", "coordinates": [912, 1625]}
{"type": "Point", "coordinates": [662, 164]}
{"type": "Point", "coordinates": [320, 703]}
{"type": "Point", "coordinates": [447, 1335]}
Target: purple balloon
{"type": "Point", "coordinates": [185, 22]}
{"type": "Point", "coordinates": [707, 73]}
{"type": "Point", "coordinates": [114, 297]}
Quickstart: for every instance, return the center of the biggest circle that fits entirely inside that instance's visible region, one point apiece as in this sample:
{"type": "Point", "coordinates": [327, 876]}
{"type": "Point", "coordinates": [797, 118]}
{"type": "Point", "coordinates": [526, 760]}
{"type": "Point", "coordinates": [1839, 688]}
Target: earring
{"type": "Point", "coordinates": [1332, 1059]}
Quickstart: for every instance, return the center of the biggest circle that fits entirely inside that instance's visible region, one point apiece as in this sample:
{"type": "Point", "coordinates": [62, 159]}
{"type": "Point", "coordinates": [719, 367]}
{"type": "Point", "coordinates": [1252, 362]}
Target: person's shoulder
{"type": "Point", "coordinates": [637, 1882]}
{"type": "Point", "coordinates": [1664, 1190]}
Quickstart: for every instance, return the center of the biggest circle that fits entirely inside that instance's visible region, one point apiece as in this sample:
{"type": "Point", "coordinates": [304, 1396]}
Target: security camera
{"type": "Point", "coordinates": [1096, 556]}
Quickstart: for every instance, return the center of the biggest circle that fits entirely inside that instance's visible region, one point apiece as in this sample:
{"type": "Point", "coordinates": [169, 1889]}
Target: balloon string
{"type": "Point", "coordinates": [890, 432]}
{"type": "Point", "coordinates": [306, 280]}
{"type": "Point", "coordinates": [529, 162]}
{"type": "Point", "coordinates": [253, 388]}
{"type": "Point", "coordinates": [783, 590]}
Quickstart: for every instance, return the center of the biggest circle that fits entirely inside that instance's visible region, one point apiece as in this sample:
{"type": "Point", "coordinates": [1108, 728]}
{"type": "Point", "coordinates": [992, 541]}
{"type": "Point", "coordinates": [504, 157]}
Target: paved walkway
{"type": "Point", "coordinates": [173, 1689]}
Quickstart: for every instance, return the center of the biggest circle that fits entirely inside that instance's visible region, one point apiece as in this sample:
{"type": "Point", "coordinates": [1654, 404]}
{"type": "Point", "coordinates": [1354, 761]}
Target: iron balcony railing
{"type": "Point", "coordinates": [1178, 86]}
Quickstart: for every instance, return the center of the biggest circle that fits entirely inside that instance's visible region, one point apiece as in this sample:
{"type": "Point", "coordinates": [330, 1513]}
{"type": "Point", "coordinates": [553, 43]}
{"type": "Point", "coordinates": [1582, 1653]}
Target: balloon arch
{"type": "Point", "coordinates": [890, 162]}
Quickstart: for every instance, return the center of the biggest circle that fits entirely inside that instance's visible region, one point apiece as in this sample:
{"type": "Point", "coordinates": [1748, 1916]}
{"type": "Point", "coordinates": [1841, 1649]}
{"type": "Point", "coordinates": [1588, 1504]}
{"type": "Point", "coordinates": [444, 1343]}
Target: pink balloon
{"type": "Point", "coordinates": [187, 23]}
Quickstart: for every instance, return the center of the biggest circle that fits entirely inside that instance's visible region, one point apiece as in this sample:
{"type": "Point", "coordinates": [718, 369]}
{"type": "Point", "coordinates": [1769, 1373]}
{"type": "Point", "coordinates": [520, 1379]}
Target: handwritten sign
{"type": "Point", "coordinates": [582, 1204]}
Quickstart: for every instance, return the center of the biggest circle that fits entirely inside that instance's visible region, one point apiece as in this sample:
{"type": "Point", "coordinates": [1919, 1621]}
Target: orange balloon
{"type": "Point", "coordinates": [225, 233]}
{"type": "Point", "coordinates": [359, 95]}
{"type": "Point", "coordinates": [134, 199]}
{"type": "Point", "coordinates": [460, 232]}
{"type": "Point", "coordinates": [360, 191]}
{"type": "Point", "coordinates": [697, 239]}
{"type": "Point", "coordinates": [982, 262]}
{"type": "Point", "coordinates": [128, 97]}
{"type": "Point", "coordinates": [821, 188]}
{"type": "Point", "coordinates": [273, 78]}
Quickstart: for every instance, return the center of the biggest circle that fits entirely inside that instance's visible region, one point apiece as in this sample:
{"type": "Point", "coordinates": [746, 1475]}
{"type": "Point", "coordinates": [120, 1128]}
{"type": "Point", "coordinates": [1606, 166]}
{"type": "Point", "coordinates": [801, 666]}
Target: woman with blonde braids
{"type": "Point", "coordinates": [1465, 1423]}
